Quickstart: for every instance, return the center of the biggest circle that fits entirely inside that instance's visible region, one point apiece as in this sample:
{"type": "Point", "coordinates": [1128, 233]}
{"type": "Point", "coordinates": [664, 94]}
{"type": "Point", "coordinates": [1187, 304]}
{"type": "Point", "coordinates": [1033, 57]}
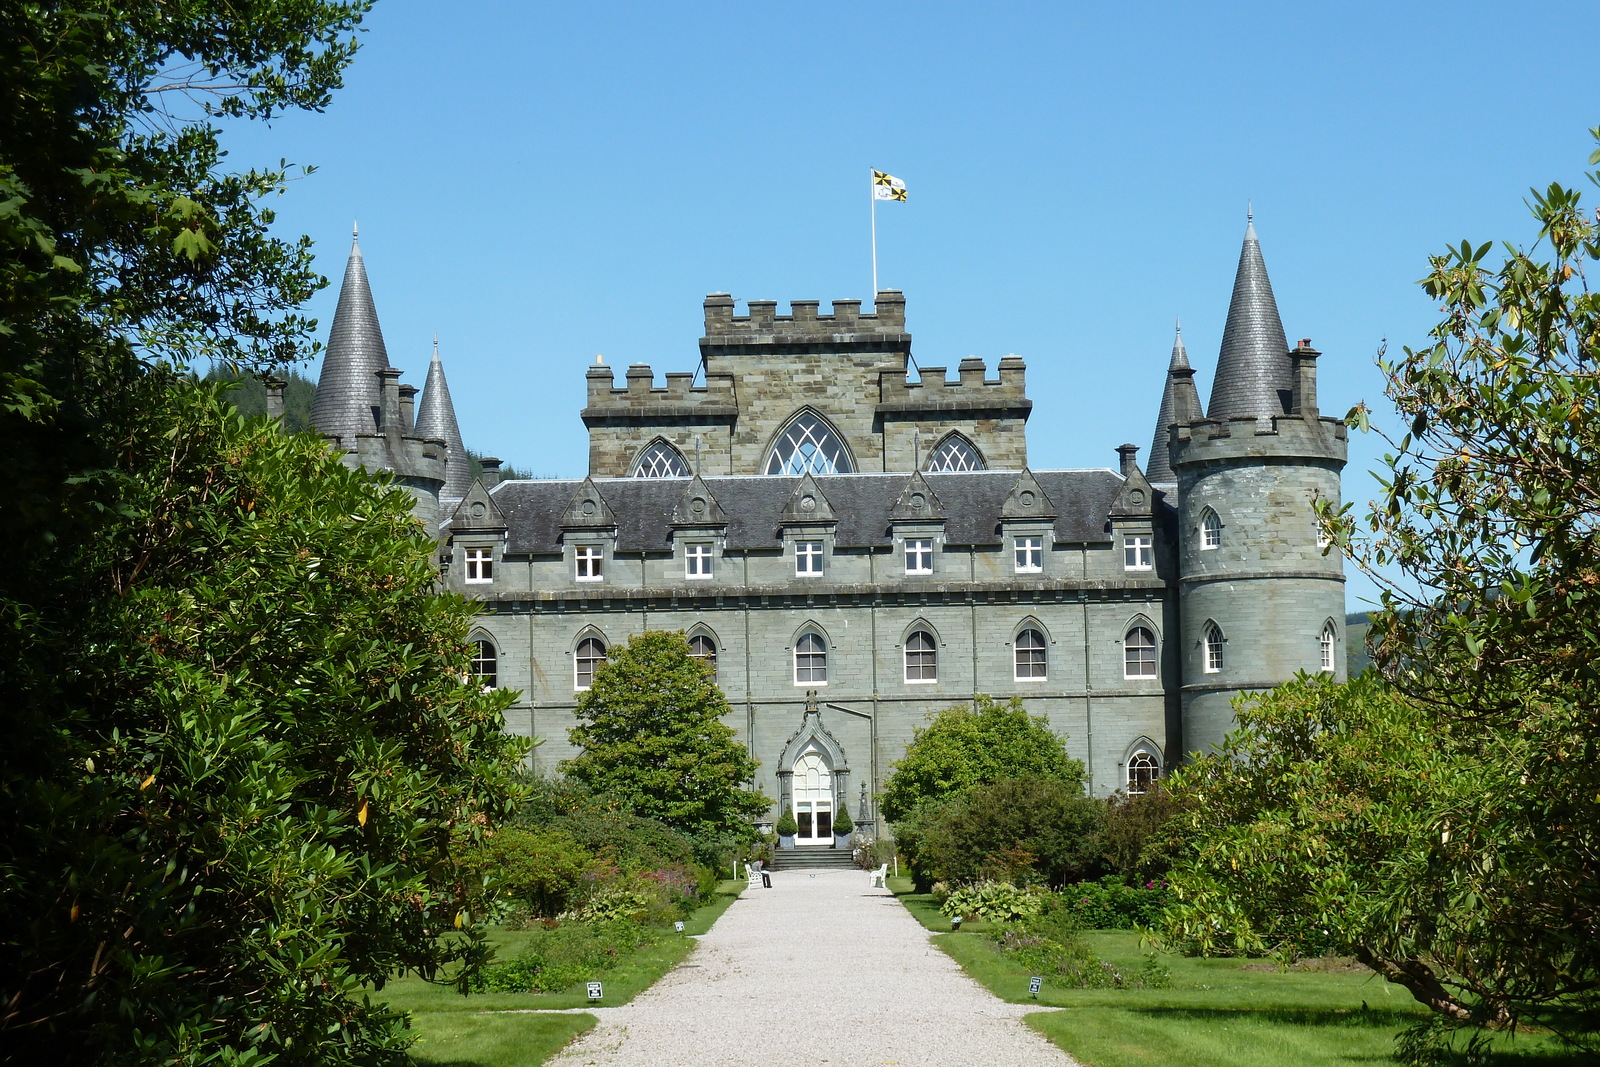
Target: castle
{"type": "Point", "coordinates": [851, 548]}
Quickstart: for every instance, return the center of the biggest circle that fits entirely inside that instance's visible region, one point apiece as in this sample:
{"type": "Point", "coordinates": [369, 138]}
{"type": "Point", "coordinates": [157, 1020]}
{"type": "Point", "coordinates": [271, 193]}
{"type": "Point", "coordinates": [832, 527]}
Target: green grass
{"type": "Point", "coordinates": [1217, 1013]}
{"type": "Point", "coordinates": [511, 1029]}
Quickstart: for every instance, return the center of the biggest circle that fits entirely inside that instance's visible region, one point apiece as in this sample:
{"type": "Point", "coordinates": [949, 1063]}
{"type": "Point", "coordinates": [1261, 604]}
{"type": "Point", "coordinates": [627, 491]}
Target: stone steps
{"type": "Point", "coordinates": [812, 857]}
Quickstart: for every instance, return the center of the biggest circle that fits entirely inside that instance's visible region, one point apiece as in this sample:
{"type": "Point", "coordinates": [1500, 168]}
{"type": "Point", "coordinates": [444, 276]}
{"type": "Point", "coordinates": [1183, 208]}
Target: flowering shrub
{"type": "Point", "coordinates": [1051, 945]}
{"type": "Point", "coordinates": [1111, 904]}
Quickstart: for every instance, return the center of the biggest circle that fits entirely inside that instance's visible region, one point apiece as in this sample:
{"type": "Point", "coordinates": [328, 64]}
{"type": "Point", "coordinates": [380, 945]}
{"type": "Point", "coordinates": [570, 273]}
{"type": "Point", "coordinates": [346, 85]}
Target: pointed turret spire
{"type": "Point", "coordinates": [348, 391]}
{"type": "Point", "coordinates": [1253, 370]}
{"type": "Point", "coordinates": [1159, 467]}
{"type": "Point", "coordinates": [436, 419]}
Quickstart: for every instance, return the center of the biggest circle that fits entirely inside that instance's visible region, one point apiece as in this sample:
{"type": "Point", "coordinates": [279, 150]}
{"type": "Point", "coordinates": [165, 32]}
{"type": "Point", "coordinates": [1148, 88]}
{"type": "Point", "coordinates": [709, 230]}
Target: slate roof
{"type": "Point", "coordinates": [971, 501]}
{"type": "Point", "coordinates": [348, 391]}
{"type": "Point", "coordinates": [1253, 373]}
{"type": "Point", "coordinates": [1159, 468]}
{"type": "Point", "coordinates": [436, 419]}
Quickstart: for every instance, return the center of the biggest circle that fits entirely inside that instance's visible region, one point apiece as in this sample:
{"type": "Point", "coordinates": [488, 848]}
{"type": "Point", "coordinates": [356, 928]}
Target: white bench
{"type": "Point", "coordinates": [752, 877]}
{"type": "Point", "coordinates": [880, 877]}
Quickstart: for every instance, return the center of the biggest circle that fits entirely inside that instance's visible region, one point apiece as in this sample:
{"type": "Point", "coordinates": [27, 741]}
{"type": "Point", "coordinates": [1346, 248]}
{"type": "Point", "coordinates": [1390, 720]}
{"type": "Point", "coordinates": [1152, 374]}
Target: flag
{"type": "Point", "coordinates": [887, 187]}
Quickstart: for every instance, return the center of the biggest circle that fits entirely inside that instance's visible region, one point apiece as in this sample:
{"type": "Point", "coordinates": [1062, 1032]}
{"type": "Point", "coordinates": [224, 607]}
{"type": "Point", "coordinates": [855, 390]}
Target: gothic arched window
{"type": "Point", "coordinates": [485, 663]}
{"type": "Point", "coordinates": [704, 649]}
{"type": "Point", "coordinates": [811, 660]}
{"type": "Point", "coordinates": [955, 453]}
{"type": "Point", "coordinates": [1031, 661]}
{"type": "Point", "coordinates": [922, 657]}
{"type": "Point", "coordinates": [1143, 772]}
{"type": "Point", "coordinates": [1329, 642]}
{"type": "Point", "coordinates": [1139, 653]}
{"type": "Point", "coordinates": [808, 444]}
{"type": "Point", "coordinates": [1210, 529]}
{"type": "Point", "coordinates": [660, 460]}
{"type": "Point", "coordinates": [591, 652]}
{"type": "Point", "coordinates": [1214, 640]}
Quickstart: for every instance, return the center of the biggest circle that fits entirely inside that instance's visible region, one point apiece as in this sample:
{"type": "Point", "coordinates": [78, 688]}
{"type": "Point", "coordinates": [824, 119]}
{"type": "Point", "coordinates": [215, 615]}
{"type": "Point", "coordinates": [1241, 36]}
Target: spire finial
{"type": "Point", "coordinates": [1178, 324]}
{"type": "Point", "coordinates": [436, 345]}
{"type": "Point", "coordinates": [1249, 211]}
{"type": "Point", "coordinates": [355, 229]}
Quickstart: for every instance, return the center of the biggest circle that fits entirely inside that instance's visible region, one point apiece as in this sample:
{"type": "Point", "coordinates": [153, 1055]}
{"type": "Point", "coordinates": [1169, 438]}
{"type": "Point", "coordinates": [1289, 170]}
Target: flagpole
{"type": "Point", "coordinates": [872, 195]}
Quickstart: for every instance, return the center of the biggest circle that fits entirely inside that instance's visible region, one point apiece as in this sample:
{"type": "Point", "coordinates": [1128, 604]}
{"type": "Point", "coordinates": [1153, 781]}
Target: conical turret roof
{"type": "Point", "coordinates": [1159, 466]}
{"type": "Point", "coordinates": [348, 391]}
{"type": "Point", "coordinates": [436, 419]}
{"type": "Point", "coordinates": [1253, 370]}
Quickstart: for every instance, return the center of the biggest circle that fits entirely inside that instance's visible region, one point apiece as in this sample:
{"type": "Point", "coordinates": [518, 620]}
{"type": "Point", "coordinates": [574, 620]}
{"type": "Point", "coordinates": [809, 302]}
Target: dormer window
{"type": "Point", "coordinates": [479, 563]}
{"type": "Point", "coordinates": [589, 561]}
{"type": "Point", "coordinates": [1137, 553]}
{"type": "Point", "coordinates": [697, 560]}
{"type": "Point", "coordinates": [807, 559]}
{"type": "Point", "coordinates": [1029, 554]}
{"type": "Point", "coordinates": [919, 555]}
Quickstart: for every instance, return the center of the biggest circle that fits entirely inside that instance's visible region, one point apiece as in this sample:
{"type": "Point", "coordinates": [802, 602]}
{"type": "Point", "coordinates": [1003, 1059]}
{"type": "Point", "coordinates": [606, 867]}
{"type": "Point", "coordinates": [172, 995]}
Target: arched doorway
{"type": "Point", "coordinates": [813, 798]}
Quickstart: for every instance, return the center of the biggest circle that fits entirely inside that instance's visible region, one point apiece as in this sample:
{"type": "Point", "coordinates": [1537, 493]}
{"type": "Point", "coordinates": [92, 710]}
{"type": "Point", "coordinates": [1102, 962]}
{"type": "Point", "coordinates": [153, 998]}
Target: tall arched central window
{"type": "Point", "coordinates": [1139, 653]}
{"type": "Point", "coordinates": [808, 444]}
{"type": "Point", "coordinates": [704, 649]}
{"type": "Point", "coordinates": [922, 657]}
{"type": "Point", "coordinates": [810, 660]}
{"type": "Point", "coordinates": [1030, 656]}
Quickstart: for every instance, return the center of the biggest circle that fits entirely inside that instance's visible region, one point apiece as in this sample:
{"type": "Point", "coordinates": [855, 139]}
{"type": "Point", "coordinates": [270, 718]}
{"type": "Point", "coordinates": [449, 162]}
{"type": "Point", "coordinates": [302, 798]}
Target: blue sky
{"type": "Point", "coordinates": [539, 183]}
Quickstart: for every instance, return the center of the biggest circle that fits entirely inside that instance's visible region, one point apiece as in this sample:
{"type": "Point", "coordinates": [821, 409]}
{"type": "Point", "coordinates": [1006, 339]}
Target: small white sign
{"type": "Point", "coordinates": [1033, 985]}
{"type": "Point", "coordinates": [595, 992]}
{"type": "Point", "coordinates": [678, 926]}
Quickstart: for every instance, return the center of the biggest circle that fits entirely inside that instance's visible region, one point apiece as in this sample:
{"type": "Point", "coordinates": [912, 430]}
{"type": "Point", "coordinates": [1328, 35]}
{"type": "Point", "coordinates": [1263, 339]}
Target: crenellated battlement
{"type": "Point", "coordinates": [1248, 438]}
{"type": "Point", "coordinates": [805, 324]}
{"type": "Point", "coordinates": [640, 394]}
{"type": "Point", "coordinates": [970, 388]}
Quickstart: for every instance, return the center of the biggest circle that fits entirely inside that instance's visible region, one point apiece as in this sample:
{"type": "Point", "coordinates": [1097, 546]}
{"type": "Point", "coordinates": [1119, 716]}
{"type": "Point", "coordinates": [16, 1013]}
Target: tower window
{"type": "Point", "coordinates": [479, 564]}
{"type": "Point", "coordinates": [660, 460]}
{"type": "Point", "coordinates": [485, 664]}
{"type": "Point", "coordinates": [1214, 641]}
{"type": "Point", "coordinates": [1029, 554]}
{"type": "Point", "coordinates": [1031, 662]}
{"type": "Point", "coordinates": [1139, 653]}
{"type": "Point", "coordinates": [1329, 642]}
{"type": "Point", "coordinates": [811, 660]}
{"type": "Point", "coordinates": [807, 558]}
{"type": "Point", "coordinates": [697, 560]}
{"type": "Point", "coordinates": [1144, 770]}
{"type": "Point", "coordinates": [704, 649]}
{"type": "Point", "coordinates": [919, 555]}
{"type": "Point", "coordinates": [1210, 529]}
{"type": "Point", "coordinates": [1137, 554]}
{"type": "Point", "coordinates": [586, 660]}
{"type": "Point", "coordinates": [954, 454]}
{"type": "Point", "coordinates": [807, 444]}
{"type": "Point", "coordinates": [922, 657]}
{"type": "Point", "coordinates": [589, 559]}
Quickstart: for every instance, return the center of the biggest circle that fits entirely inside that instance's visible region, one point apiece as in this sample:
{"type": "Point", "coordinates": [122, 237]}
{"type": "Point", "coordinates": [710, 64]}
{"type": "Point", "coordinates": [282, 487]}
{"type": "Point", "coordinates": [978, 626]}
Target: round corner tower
{"type": "Point", "coordinates": [1259, 598]}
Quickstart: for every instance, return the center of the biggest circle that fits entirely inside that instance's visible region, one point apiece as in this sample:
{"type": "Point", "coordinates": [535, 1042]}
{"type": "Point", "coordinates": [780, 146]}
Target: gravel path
{"type": "Point", "coordinates": [818, 969]}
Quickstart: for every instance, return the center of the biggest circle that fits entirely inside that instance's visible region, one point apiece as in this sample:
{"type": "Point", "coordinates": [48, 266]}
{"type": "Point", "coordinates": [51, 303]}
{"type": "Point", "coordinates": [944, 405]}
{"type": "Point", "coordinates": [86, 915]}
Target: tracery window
{"type": "Point", "coordinates": [807, 444]}
{"type": "Point", "coordinates": [1143, 772]}
{"type": "Point", "coordinates": [1139, 653]}
{"type": "Point", "coordinates": [704, 649]}
{"type": "Point", "coordinates": [586, 660]}
{"type": "Point", "coordinates": [954, 453]}
{"type": "Point", "coordinates": [811, 660]}
{"type": "Point", "coordinates": [1031, 662]}
{"type": "Point", "coordinates": [1210, 529]}
{"type": "Point", "coordinates": [1328, 642]}
{"type": "Point", "coordinates": [922, 657]}
{"type": "Point", "coordinates": [1214, 640]}
{"type": "Point", "coordinates": [485, 663]}
{"type": "Point", "coordinates": [660, 460]}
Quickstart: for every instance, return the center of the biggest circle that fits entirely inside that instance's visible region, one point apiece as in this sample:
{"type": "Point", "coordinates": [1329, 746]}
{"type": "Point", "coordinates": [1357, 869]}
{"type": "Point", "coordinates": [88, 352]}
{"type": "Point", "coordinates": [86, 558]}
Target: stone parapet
{"type": "Point", "coordinates": [1246, 438]}
{"type": "Point", "coordinates": [680, 398]}
{"type": "Point", "coordinates": [883, 327]}
{"type": "Point", "coordinates": [972, 390]}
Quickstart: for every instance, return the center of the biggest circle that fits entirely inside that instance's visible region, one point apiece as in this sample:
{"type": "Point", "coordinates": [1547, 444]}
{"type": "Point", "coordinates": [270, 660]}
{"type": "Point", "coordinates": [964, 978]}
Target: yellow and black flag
{"type": "Point", "coordinates": [887, 187]}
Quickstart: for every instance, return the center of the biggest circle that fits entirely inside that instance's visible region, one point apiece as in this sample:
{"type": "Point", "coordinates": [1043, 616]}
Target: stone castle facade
{"type": "Point", "coordinates": [853, 547]}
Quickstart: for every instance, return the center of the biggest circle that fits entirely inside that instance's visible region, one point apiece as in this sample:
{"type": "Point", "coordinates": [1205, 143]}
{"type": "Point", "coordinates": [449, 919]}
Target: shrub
{"type": "Point", "coordinates": [992, 902]}
{"type": "Point", "coordinates": [1136, 839]}
{"type": "Point", "coordinates": [842, 823]}
{"type": "Point", "coordinates": [787, 826]}
{"type": "Point", "coordinates": [1111, 904]}
{"type": "Point", "coordinates": [569, 953]}
{"type": "Point", "coordinates": [1027, 830]}
{"type": "Point", "coordinates": [537, 873]}
{"type": "Point", "coordinates": [1051, 945]}
{"type": "Point", "coordinates": [870, 855]}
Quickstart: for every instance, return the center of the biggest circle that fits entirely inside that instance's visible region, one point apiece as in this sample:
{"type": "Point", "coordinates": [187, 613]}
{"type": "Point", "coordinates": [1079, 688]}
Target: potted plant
{"type": "Point", "coordinates": [842, 827]}
{"type": "Point", "coordinates": [787, 828]}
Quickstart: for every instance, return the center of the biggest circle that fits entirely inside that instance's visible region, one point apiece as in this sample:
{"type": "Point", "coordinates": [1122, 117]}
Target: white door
{"type": "Point", "coordinates": [813, 799]}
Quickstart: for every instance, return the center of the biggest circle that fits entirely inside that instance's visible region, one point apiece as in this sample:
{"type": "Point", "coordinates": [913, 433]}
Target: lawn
{"type": "Point", "coordinates": [1218, 1012]}
{"type": "Point", "coordinates": [500, 1030]}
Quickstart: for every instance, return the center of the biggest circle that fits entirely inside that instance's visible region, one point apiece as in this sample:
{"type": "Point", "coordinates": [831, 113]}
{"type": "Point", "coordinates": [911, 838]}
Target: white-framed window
{"type": "Point", "coordinates": [1139, 653]}
{"type": "Point", "coordinates": [590, 653]}
{"type": "Point", "coordinates": [811, 660]}
{"type": "Point", "coordinates": [590, 560]}
{"type": "Point", "coordinates": [919, 555]}
{"type": "Point", "coordinates": [485, 664]}
{"type": "Point", "coordinates": [1214, 642]}
{"type": "Point", "coordinates": [479, 564]}
{"type": "Point", "coordinates": [922, 657]}
{"type": "Point", "coordinates": [1137, 553]}
{"type": "Point", "coordinates": [1210, 530]}
{"type": "Point", "coordinates": [1028, 554]}
{"type": "Point", "coordinates": [807, 443]}
{"type": "Point", "coordinates": [697, 559]}
{"type": "Point", "coordinates": [1328, 642]}
{"type": "Point", "coordinates": [807, 559]}
{"type": "Point", "coordinates": [1032, 663]}
{"type": "Point", "coordinates": [1144, 770]}
{"type": "Point", "coordinates": [704, 649]}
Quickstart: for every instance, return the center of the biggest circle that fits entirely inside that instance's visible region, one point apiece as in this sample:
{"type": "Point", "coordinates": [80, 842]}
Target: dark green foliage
{"type": "Point", "coordinates": [652, 738]}
{"type": "Point", "coordinates": [250, 810]}
{"type": "Point", "coordinates": [1112, 904]}
{"type": "Point", "coordinates": [1137, 838]}
{"type": "Point", "coordinates": [972, 744]}
{"type": "Point", "coordinates": [1023, 830]}
{"type": "Point", "coordinates": [1050, 944]}
{"type": "Point", "coordinates": [842, 823]}
{"type": "Point", "coordinates": [787, 826]}
{"type": "Point", "coordinates": [249, 395]}
{"type": "Point", "coordinates": [564, 955]}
